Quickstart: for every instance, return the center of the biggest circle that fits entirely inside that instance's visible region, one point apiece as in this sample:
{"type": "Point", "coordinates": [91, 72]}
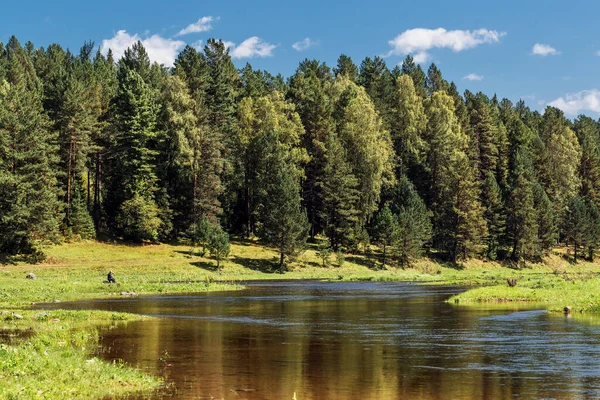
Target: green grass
{"type": "Point", "coordinates": [56, 355]}
{"type": "Point", "coordinates": [579, 291]}
{"type": "Point", "coordinates": [52, 359]}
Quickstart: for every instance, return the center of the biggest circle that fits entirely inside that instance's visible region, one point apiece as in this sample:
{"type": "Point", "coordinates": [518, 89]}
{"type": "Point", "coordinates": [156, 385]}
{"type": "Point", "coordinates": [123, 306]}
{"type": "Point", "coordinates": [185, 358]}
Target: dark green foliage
{"type": "Point", "coordinates": [385, 231]}
{"type": "Point", "coordinates": [284, 223]}
{"type": "Point", "coordinates": [30, 210]}
{"type": "Point", "coordinates": [494, 215]}
{"type": "Point", "coordinates": [434, 81]}
{"type": "Point", "coordinates": [138, 151]}
{"type": "Point", "coordinates": [324, 251]}
{"type": "Point", "coordinates": [416, 73]}
{"type": "Point", "coordinates": [346, 67]}
{"type": "Point", "coordinates": [576, 224]}
{"type": "Point", "coordinates": [547, 229]}
{"type": "Point", "coordinates": [414, 224]}
{"type": "Point", "coordinates": [217, 243]}
{"type": "Point", "coordinates": [340, 195]}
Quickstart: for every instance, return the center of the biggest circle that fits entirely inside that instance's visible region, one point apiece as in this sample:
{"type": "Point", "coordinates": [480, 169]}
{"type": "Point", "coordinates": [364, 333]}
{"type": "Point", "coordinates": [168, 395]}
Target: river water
{"type": "Point", "coordinates": [363, 340]}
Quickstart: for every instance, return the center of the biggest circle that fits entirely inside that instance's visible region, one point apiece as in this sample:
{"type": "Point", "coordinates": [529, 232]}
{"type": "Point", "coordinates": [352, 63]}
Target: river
{"type": "Point", "coordinates": [361, 340]}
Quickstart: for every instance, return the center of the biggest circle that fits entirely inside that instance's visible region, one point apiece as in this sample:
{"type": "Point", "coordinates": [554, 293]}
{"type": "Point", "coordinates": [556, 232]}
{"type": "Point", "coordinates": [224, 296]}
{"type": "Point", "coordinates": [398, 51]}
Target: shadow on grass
{"type": "Point", "coordinates": [371, 263]}
{"type": "Point", "coordinates": [260, 265]}
{"type": "Point", "coordinates": [207, 265]}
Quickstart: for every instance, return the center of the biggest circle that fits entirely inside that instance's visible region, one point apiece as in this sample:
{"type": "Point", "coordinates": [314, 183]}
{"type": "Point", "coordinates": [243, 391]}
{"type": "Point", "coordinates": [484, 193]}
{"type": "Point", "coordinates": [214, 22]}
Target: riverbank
{"type": "Point", "coordinates": [41, 363]}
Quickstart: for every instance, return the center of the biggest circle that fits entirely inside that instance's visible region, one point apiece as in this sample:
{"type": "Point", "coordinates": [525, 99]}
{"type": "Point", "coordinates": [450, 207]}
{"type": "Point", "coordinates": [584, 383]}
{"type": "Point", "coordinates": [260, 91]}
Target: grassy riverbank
{"type": "Point", "coordinates": [50, 355]}
{"type": "Point", "coordinates": [581, 292]}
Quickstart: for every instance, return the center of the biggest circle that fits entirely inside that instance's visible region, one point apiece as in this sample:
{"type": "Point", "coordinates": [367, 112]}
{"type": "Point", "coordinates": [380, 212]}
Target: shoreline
{"type": "Point", "coordinates": [62, 342]}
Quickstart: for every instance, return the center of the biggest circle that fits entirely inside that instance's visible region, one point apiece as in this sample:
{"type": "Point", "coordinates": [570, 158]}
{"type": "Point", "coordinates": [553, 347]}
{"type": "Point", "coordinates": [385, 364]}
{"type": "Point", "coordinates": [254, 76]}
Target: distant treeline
{"type": "Point", "coordinates": [360, 155]}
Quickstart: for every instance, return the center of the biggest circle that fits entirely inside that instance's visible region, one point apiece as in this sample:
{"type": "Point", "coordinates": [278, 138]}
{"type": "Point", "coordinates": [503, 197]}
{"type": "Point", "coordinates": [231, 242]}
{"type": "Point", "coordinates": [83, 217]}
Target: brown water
{"type": "Point", "coordinates": [316, 340]}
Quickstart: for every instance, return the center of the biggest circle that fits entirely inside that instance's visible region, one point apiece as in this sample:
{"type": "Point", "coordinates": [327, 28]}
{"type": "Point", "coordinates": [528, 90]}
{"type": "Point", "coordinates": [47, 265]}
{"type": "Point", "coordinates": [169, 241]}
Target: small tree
{"type": "Point", "coordinates": [593, 230]}
{"type": "Point", "coordinates": [285, 224]}
{"type": "Point", "coordinates": [324, 251]}
{"type": "Point", "coordinates": [199, 234]}
{"type": "Point", "coordinates": [218, 243]}
{"type": "Point", "coordinates": [576, 224]}
{"type": "Point", "coordinates": [385, 231]}
{"type": "Point", "coordinates": [139, 219]}
{"type": "Point", "coordinates": [414, 224]}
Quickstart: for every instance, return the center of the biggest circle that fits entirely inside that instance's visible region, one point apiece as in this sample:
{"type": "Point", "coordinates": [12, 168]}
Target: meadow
{"type": "Point", "coordinates": [50, 354]}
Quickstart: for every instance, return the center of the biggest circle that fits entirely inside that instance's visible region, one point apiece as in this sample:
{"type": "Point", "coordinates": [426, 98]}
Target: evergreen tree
{"type": "Point", "coordinates": [457, 213]}
{"type": "Point", "coordinates": [521, 215]}
{"type": "Point", "coordinates": [29, 195]}
{"type": "Point", "coordinates": [132, 160]}
{"type": "Point", "coordinates": [493, 214]}
{"type": "Point", "coordinates": [576, 224]}
{"type": "Point", "coordinates": [284, 223]}
{"type": "Point", "coordinates": [547, 230]}
{"type": "Point", "coordinates": [434, 81]}
{"type": "Point", "coordinates": [416, 73]}
{"type": "Point", "coordinates": [340, 195]}
{"type": "Point", "coordinates": [559, 159]}
{"type": "Point", "coordinates": [218, 243]}
{"type": "Point", "coordinates": [309, 91]}
{"type": "Point", "coordinates": [588, 135]}
{"type": "Point", "coordinates": [346, 67]}
{"type": "Point", "coordinates": [385, 231]}
{"type": "Point", "coordinates": [414, 225]}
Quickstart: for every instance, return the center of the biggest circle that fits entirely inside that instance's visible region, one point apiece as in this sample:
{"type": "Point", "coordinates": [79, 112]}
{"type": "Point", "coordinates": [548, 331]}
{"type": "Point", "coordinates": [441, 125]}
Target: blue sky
{"type": "Point", "coordinates": [491, 42]}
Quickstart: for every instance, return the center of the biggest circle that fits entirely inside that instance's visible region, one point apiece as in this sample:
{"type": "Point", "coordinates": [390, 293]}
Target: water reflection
{"type": "Point", "coordinates": [317, 340]}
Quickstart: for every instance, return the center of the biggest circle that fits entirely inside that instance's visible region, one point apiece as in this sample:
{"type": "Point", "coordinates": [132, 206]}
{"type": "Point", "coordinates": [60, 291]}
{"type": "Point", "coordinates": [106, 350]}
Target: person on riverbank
{"type": "Point", "coordinates": [111, 277]}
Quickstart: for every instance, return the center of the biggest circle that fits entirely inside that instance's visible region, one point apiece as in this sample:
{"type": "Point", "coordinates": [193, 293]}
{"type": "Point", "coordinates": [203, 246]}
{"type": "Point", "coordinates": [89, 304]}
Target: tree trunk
{"type": "Point", "coordinates": [281, 252]}
{"type": "Point", "coordinates": [69, 177]}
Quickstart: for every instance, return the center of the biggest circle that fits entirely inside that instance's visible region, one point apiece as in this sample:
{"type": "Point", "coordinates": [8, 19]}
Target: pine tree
{"type": "Point", "coordinates": [588, 135]}
{"type": "Point", "coordinates": [434, 81]}
{"type": "Point", "coordinates": [385, 231]}
{"type": "Point", "coordinates": [457, 213]}
{"type": "Point", "coordinates": [346, 67]}
{"type": "Point", "coordinates": [414, 225]}
{"type": "Point", "coordinates": [593, 235]}
{"type": "Point", "coordinates": [547, 230]}
{"type": "Point", "coordinates": [132, 159]}
{"type": "Point", "coordinates": [521, 229]}
{"type": "Point", "coordinates": [416, 73]}
{"type": "Point", "coordinates": [284, 223]}
{"type": "Point", "coordinates": [308, 90]}
{"type": "Point", "coordinates": [340, 195]}
{"type": "Point", "coordinates": [29, 195]}
{"type": "Point", "coordinates": [493, 214]}
{"type": "Point", "coordinates": [559, 159]}
{"type": "Point", "coordinates": [576, 224]}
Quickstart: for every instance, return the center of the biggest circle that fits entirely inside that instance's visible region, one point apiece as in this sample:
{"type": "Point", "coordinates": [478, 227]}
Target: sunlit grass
{"type": "Point", "coordinates": [56, 357]}
{"type": "Point", "coordinates": [51, 357]}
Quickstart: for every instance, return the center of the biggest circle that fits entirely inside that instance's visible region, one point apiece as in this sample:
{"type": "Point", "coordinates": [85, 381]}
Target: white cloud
{"type": "Point", "coordinates": [544, 50]}
{"type": "Point", "coordinates": [598, 53]}
{"type": "Point", "coordinates": [528, 97]}
{"type": "Point", "coordinates": [473, 77]}
{"type": "Point", "coordinates": [575, 103]}
{"type": "Point", "coordinates": [251, 47]}
{"type": "Point", "coordinates": [303, 44]}
{"type": "Point", "coordinates": [420, 40]}
{"type": "Point", "coordinates": [203, 25]}
{"type": "Point", "coordinates": [197, 45]}
{"type": "Point", "coordinates": [160, 50]}
{"type": "Point", "coordinates": [422, 57]}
